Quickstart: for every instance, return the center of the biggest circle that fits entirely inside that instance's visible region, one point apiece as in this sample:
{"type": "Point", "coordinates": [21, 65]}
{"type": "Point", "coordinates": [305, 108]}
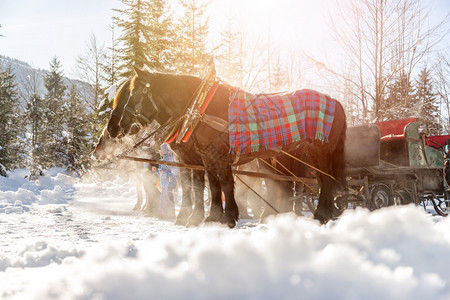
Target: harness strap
{"type": "Point", "coordinates": [173, 137]}
{"type": "Point", "coordinates": [296, 177]}
{"type": "Point", "coordinates": [214, 122]}
{"type": "Point", "coordinates": [305, 163]}
{"type": "Point", "coordinates": [217, 123]}
{"type": "Point", "coordinates": [196, 115]}
{"type": "Point", "coordinates": [209, 97]}
{"type": "Point", "coordinates": [205, 91]}
{"type": "Point", "coordinates": [137, 114]}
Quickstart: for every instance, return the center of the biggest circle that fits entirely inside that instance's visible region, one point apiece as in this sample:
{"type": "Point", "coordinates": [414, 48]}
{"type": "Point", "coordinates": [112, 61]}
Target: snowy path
{"type": "Point", "coordinates": [64, 239]}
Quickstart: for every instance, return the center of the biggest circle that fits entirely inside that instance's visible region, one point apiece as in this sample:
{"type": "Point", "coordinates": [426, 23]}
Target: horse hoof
{"type": "Point", "coordinates": [193, 223]}
{"type": "Point", "coordinates": [149, 214]}
{"type": "Point", "coordinates": [190, 225]}
{"type": "Point", "coordinates": [180, 222]}
{"type": "Point", "coordinates": [321, 217]}
{"type": "Point", "coordinates": [231, 224]}
{"type": "Point", "coordinates": [229, 221]}
{"type": "Point", "coordinates": [212, 220]}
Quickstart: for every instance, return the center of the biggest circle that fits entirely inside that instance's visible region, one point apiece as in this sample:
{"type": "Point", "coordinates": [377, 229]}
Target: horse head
{"type": "Point", "coordinates": [133, 106]}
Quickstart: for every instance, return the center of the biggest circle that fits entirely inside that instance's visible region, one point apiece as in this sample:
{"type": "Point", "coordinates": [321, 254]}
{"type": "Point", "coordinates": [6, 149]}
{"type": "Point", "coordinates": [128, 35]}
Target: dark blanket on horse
{"type": "Point", "coordinates": [269, 121]}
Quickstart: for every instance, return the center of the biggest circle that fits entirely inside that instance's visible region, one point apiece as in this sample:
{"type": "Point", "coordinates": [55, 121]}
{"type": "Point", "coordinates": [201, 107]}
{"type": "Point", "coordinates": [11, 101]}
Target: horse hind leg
{"type": "Point", "coordinates": [335, 165]}
{"type": "Point", "coordinates": [138, 184]}
{"type": "Point", "coordinates": [338, 160]}
{"type": "Point", "coordinates": [337, 138]}
{"type": "Point", "coordinates": [324, 209]}
{"type": "Point", "coordinates": [198, 214]}
{"type": "Point", "coordinates": [231, 215]}
{"type": "Point", "coordinates": [186, 200]}
{"type": "Point", "coordinates": [216, 208]}
{"type": "Point", "coordinates": [152, 195]}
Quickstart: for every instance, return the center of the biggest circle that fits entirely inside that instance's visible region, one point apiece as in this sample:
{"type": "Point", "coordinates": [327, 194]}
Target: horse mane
{"type": "Point", "coordinates": [123, 88]}
{"type": "Point", "coordinates": [162, 83]}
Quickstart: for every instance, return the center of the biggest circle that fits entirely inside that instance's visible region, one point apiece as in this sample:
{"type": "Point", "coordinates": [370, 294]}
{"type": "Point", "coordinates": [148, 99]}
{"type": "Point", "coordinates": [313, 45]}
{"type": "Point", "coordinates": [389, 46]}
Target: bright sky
{"type": "Point", "coordinates": [36, 30]}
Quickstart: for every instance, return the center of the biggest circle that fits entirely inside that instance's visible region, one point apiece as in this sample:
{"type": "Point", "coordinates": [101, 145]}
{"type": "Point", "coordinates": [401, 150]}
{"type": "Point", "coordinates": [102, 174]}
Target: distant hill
{"type": "Point", "coordinates": [24, 72]}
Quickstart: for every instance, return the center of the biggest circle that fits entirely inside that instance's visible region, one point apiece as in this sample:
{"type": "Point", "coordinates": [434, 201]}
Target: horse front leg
{"type": "Point", "coordinates": [139, 200]}
{"type": "Point", "coordinates": [138, 184]}
{"type": "Point", "coordinates": [186, 200]}
{"type": "Point", "coordinates": [216, 209]}
{"type": "Point", "coordinates": [152, 195]}
{"type": "Point", "coordinates": [231, 215]}
{"type": "Point", "coordinates": [198, 185]}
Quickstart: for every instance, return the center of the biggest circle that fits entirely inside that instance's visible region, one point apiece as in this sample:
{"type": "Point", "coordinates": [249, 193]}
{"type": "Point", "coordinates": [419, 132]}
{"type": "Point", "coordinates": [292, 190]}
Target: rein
{"type": "Point", "coordinates": [169, 122]}
{"type": "Point", "coordinates": [306, 164]}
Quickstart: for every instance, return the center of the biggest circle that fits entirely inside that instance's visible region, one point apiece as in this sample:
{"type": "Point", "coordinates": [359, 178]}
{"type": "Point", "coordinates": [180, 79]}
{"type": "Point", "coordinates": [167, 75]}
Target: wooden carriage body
{"type": "Point", "coordinates": [394, 162]}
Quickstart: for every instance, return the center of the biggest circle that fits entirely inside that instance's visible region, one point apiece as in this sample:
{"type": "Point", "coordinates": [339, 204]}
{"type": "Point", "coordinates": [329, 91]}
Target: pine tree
{"type": "Point", "coordinates": [427, 102]}
{"type": "Point", "coordinates": [53, 108]}
{"type": "Point", "coordinates": [399, 93]}
{"type": "Point", "coordinates": [10, 149]}
{"type": "Point", "coordinates": [388, 110]}
{"type": "Point", "coordinates": [192, 31]}
{"type": "Point", "coordinates": [161, 36]}
{"type": "Point", "coordinates": [229, 62]}
{"type": "Point", "coordinates": [110, 60]}
{"type": "Point", "coordinates": [135, 34]}
{"type": "Point", "coordinates": [76, 146]}
{"type": "Point", "coordinates": [33, 114]}
{"type": "Point", "coordinates": [33, 121]}
{"type": "Point", "coordinates": [279, 76]}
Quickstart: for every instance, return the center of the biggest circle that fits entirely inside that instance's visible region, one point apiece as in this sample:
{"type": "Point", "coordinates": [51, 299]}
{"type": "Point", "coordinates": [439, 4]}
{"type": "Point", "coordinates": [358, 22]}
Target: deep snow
{"type": "Point", "coordinates": [66, 238]}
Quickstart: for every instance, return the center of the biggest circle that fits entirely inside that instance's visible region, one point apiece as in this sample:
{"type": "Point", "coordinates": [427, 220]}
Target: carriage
{"type": "Point", "coordinates": [387, 163]}
{"type": "Point", "coordinates": [393, 163]}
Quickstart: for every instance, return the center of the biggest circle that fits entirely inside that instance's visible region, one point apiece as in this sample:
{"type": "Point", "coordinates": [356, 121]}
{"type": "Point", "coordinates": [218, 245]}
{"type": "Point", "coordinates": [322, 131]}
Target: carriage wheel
{"type": "Point", "coordinates": [340, 204]}
{"type": "Point", "coordinates": [441, 206]}
{"type": "Point", "coordinates": [380, 196]}
{"type": "Point", "coordinates": [310, 202]}
{"type": "Point", "coordinates": [402, 197]}
{"type": "Point", "coordinates": [304, 202]}
{"type": "Point", "coordinates": [343, 202]}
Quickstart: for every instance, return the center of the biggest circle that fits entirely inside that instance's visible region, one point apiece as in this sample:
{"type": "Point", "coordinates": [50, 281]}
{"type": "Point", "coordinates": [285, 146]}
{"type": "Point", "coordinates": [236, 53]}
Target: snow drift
{"type": "Point", "coordinates": [394, 253]}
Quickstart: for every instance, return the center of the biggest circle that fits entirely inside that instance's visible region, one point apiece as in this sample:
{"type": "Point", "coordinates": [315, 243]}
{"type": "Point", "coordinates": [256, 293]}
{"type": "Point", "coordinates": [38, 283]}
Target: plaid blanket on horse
{"type": "Point", "coordinates": [270, 121]}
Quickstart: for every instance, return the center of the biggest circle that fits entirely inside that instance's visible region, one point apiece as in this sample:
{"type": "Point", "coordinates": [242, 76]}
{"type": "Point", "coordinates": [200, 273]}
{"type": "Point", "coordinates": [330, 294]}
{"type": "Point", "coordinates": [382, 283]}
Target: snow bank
{"type": "Point", "coordinates": [17, 192]}
{"type": "Point", "coordinates": [37, 254]}
{"type": "Point", "coordinates": [85, 243]}
{"type": "Point", "coordinates": [396, 253]}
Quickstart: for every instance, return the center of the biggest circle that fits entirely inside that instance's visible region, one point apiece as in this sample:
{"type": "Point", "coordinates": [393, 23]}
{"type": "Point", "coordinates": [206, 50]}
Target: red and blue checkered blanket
{"type": "Point", "coordinates": [269, 121]}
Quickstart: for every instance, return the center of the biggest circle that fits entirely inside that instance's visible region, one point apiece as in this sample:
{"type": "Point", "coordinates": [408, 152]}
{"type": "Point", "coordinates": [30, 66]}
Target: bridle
{"type": "Point", "coordinates": [136, 111]}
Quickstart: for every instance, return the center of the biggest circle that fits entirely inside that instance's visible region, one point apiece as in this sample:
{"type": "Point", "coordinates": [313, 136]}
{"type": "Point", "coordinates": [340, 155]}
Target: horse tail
{"type": "Point", "coordinates": [338, 155]}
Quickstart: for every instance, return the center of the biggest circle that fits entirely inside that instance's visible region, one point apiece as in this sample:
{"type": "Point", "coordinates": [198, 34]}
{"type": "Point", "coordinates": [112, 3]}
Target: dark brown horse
{"type": "Point", "coordinates": [163, 97]}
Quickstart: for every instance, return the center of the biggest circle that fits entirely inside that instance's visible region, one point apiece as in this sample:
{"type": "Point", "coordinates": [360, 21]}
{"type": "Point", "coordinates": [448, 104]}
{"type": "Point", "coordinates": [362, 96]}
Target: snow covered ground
{"type": "Point", "coordinates": [63, 238]}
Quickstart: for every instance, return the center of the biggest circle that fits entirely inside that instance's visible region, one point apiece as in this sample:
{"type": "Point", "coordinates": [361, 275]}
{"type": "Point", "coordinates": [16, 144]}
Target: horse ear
{"type": "Point", "coordinates": [138, 72]}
